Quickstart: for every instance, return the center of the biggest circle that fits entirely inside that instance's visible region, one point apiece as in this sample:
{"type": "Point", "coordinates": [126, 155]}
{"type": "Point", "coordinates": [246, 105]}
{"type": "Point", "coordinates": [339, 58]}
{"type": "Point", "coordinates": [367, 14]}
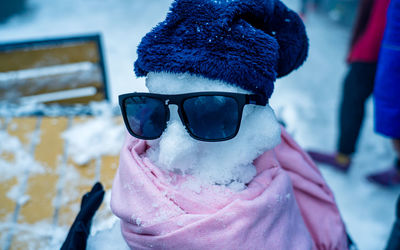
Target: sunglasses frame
{"type": "Point", "coordinates": [179, 99]}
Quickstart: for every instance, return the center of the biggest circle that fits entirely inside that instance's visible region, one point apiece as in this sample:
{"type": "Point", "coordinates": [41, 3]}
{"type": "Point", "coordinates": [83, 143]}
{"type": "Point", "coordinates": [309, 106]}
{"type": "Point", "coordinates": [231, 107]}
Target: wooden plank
{"type": "Point", "coordinates": [7, 205]}
{"type": "Point", "coordinates": [22, 128]}
{"type": "Point", "coordinates": [29, 240]}
{"type": "Point", "coordinates": [29, 90]}
{"type": "Point", "coordinates": [42, 188]}
{"type": "Point", "coordinates": [48, 55]}
{"type": "Point", "coordinates": [108, 169]}
{"type": "Point", "coordinates": [15, 87]}
{"type": "Point", "coordinates": [74, 188]}
{"type": "Point", "coordinates": [100, 96]}
{"type": "Point", "coordinates": [109, 166]}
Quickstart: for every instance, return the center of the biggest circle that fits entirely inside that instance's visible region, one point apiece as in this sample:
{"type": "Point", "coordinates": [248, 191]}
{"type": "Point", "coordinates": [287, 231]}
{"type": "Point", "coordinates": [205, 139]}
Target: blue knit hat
{"type": "Point", "coordinates": [247, 43]}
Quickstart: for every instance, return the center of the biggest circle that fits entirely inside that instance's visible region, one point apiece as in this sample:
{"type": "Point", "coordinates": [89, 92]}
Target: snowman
{"type": "Point", "coordinates": [205, 164]}
{"type": "Point", "coordinates": [217, 138]}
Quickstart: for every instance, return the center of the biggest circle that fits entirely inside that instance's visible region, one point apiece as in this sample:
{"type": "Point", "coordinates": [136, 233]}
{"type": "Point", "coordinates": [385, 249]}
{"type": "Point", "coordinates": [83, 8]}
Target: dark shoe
{"type": "Point", "coordinates": [336, 160]}
{"type": "Point", "coordinates": [388, 178]}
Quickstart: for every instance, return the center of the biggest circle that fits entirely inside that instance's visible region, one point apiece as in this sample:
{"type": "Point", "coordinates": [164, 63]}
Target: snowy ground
{"type": "Point", "coordinates": [307, 100]}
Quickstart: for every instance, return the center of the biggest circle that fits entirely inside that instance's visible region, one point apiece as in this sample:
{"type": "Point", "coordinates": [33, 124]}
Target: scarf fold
{"type": "Point", "coordinates": [163, 210]}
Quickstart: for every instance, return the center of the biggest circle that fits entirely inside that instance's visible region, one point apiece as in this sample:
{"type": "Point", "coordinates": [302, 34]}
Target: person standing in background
{"type": "Point", "coordinates": [307, 4]}
{"type": "Point", "coordinates": [359, 82]}
{"type": "Point", "coordinates": [387, 94]}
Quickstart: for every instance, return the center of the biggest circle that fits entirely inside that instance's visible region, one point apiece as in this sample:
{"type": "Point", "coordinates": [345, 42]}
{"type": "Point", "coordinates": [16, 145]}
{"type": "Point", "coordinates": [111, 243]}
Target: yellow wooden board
{"type": "Point", "coordinates": [109, 165]}
{"type": "Point", "coordinates": [74, 188]}
{"type": "Point", "coordinates": [20, 65]}
{"type": "Point", "coordinates": [100, 96]}
{"type": "Point", "coordinates": [63, 180]}
{"type": "Point", "coordinates": [34, 87]}
{"type": "Point", "coordinates": [7, 205]}
{"type": "Point", "coordinates": [48, 56]}
{"type": "Point", "coordinates": [42, 188]}
{"type": "Point", "coordinates": [29, 240]}
{"type": "Point", "coordinates": [2, 123]}
{"type": "Point", "coordinates": [22, 129]}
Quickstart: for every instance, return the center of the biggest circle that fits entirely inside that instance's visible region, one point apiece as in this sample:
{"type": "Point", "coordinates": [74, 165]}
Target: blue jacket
{"type": "Point", "coordinates": [387, 82]}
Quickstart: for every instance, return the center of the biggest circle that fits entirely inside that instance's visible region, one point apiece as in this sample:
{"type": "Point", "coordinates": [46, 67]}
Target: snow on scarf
{"type": "Point", "coordinates": [286, 206]}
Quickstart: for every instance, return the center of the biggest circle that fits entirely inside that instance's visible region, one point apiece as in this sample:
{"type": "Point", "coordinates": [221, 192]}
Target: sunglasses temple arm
{"type": "Point", "coordinates": [256, 99]}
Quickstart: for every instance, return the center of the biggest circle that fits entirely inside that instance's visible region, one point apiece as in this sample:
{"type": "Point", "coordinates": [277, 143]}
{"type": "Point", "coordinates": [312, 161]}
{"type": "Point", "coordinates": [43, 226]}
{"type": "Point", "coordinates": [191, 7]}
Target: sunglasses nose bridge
{"type": "Point", "coordinates": [176, 113]}
{"type": "Point", "coordinates": [173, 110]}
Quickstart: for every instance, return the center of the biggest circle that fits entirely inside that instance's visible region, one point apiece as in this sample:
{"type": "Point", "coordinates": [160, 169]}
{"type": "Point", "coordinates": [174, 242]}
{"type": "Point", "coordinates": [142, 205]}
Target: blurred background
{"type": "Point", "coordinates": [122, 24]}
{"type": "Point", "coordinates": [307, 100]}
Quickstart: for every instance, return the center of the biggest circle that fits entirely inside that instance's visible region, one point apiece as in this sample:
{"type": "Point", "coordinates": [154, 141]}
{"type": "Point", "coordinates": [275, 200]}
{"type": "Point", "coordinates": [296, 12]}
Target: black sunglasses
{"type": "Point", "coordinates": [207, 116]}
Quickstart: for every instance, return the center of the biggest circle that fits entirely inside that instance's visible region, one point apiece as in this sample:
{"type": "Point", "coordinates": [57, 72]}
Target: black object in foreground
{"type": "Point", "coordinates": [394, 240]}
{"type": "Point", "coordinates": [80, 229]}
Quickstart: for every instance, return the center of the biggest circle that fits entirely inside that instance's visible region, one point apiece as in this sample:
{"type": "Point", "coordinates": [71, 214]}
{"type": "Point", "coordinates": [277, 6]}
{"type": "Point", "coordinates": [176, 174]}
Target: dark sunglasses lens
{"type": "Point", "coordinates": [146, 116]}
{"type": "Point", "coordinates": [212, 117]}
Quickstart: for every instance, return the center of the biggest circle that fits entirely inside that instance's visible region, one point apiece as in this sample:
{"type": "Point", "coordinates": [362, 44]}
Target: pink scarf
{"type": "Point", "coordinates": [286, 206]}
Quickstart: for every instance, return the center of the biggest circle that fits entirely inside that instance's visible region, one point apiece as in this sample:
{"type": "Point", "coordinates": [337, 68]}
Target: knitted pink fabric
{"type": "Point", "coordinates": [162, 210]}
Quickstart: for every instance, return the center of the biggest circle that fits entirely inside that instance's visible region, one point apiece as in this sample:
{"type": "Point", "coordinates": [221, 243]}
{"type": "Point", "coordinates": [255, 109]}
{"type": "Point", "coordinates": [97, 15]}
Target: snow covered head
{"type": "Point", "coordinates": [226, 162]}
{"type": "Point", "coordinates": [221, 45]}
{"type": "Point", "coordinates": [244, 43]}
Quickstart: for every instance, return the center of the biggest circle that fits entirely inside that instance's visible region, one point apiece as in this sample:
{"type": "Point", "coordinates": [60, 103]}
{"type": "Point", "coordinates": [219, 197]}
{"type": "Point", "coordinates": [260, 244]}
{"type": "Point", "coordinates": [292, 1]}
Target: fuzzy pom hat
{"type": "Point", "coordinates": [245, 43]}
